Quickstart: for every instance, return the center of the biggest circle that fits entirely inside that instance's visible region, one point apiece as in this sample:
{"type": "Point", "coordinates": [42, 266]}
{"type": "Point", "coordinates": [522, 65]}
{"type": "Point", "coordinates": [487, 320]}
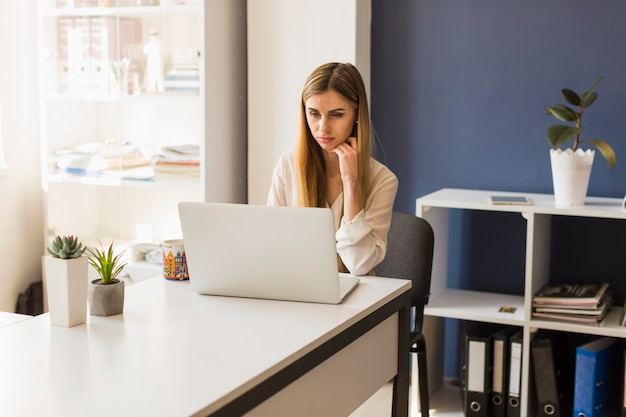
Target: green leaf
{"type": "Point", "coordinates": [560, 134]}
{"type": "Point", "coordinates": [563, 113]}
{"type": "Point", "coordinates": [106, 263]}
{"type": "Point", "coordinates": [588, 99]}
{"type": "Point", "coordinates": [605, 149]}
{"type": "Point", "coordinates": [571, 97]}
{"type": "Point", "coordinates": [589, 96]}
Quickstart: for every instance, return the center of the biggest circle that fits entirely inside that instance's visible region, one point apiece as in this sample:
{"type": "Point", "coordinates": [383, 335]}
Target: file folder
{"type": "Point", "coordinates": [478, 368]}
{"type": "Point", "coordinates": [514, 395]}
{"type": "Point", "coordinates": [595, 382]}
{"type": "Point", "coordinates": [546, 388]}
{"type": "Point", "coordinates": [500, 373]}
{"type": "Point", "coordinates": [623, 377]}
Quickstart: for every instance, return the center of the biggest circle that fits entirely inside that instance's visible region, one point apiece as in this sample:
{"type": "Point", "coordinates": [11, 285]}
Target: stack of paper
{"type": "Point", "coordinates": [579, 303]}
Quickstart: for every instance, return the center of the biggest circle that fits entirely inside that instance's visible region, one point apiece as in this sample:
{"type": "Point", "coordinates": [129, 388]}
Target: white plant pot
{"type": "Point", "coordinates": [570, 175]}
{"type": "Point", "coordinates": [66, 281]}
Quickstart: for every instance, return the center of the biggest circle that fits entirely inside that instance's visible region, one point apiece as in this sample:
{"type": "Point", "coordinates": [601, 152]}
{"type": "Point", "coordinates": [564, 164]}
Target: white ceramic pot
{"type": "Point", "coordinates": [66, 282]}
{"type": "Point", "coordinates": [570, 175]}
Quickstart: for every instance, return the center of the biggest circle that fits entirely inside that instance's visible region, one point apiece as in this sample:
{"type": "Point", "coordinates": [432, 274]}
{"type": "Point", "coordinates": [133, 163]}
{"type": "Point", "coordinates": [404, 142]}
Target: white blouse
{"type": "Point", "coordinates": [361, 243]}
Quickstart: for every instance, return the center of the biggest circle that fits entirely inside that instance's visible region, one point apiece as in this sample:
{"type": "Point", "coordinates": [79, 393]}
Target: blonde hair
{"type": "Point", "coordinates": [346, 80]}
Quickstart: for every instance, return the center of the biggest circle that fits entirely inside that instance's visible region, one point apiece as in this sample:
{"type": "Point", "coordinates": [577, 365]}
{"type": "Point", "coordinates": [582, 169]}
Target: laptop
{"type": "Point", "coordinates": [269, 252]}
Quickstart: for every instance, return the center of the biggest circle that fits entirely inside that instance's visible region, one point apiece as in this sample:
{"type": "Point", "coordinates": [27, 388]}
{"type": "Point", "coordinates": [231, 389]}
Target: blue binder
{"type": "Point", "coordinates": [595, 385]}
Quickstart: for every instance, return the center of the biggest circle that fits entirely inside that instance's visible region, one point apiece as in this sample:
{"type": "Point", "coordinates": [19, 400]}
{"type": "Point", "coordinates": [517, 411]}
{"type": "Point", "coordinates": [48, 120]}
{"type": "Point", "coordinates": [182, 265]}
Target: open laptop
{"type": "Point", "coordinates": [255, 251]}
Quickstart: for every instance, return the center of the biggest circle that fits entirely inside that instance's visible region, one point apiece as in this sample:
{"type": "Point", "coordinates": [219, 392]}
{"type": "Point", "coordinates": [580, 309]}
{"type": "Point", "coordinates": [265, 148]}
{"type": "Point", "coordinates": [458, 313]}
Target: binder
{"type": "Point", "coordinates": [595, 379]}
{"type": "Point", "coordinates": [500, 373]}
{"type": "Point", "coordinates": [478, 368]}
{"type": "Point", "coordinates": [514, 394]}
{"type": "Point", "coordinates": [564, 357]}
{"type": "Point", "coordinates": [623, 377]}
{"type": "Point", "coordinates": [546, 388]}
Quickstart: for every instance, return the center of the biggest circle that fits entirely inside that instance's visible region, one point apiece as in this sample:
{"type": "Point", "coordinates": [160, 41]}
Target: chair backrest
{"type": "Point", "coordinates": [410, 245]}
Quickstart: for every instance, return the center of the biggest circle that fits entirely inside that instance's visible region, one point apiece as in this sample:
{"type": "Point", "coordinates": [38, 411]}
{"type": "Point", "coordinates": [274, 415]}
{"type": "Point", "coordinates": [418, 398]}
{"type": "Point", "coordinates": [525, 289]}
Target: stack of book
{"type": "Point", "coordinates": [182, 78]}
{"type": "Point", "coordinates": [578, 303]}
{"type": "Point", "coordinates": [178, 159]}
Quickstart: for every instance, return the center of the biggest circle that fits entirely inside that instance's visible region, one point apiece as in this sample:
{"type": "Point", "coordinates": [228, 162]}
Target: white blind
{"type": "Point", "coordinates": [3, 165]}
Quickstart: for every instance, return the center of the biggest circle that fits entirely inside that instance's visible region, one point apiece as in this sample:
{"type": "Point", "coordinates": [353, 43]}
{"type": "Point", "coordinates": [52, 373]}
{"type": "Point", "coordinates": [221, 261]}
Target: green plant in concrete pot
{"type": "Point", "coordinates": [106, 294]}
{"type": "Point", "coordinates": [66, 281]}
{"type": "Point", "coordinates": [571, 168]}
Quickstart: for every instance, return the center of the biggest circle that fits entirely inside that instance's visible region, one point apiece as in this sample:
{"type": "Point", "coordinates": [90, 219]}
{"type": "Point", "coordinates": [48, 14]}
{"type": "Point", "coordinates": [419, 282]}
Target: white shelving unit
{"type": "Point", "coordinates": [447, 302]}
{"type": "Point", "coordinates": [83, 100]}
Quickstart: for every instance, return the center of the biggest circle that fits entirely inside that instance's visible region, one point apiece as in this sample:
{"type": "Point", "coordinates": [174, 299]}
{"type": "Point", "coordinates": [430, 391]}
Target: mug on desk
{"type": "Point", "coordinates": [174, 260]}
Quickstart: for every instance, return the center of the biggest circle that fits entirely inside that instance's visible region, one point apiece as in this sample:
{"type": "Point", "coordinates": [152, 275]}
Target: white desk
{"type": "Point", "coordinates": [6, 319]}
{"type": "Point", "coordinates": [176, 353]}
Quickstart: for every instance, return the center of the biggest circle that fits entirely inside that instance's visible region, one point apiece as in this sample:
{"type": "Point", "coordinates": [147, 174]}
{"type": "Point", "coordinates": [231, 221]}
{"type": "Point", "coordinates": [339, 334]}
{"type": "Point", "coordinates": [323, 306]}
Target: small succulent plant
{"type": "Point", "coordinates": [106, 263]}
{"type": "Point", "coordinates": [66, 247]}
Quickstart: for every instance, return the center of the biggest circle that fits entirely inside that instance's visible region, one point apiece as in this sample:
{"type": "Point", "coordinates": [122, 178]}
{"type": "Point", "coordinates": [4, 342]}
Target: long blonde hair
{"type": "Point", "coordinates": [346, 80]}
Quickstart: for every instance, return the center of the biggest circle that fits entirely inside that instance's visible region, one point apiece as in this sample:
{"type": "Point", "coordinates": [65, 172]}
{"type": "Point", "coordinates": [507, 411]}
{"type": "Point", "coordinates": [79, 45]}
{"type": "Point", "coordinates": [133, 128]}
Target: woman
{"type": "Point", "coordinates": [333, 166]}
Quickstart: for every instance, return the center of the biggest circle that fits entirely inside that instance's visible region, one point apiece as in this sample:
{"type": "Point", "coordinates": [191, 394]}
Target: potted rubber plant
{"type": "Point", "coordinates": [571, 168]}
{"type": "Point", "coordinates": [66, 281]}
{"type": "Point", "coordinates": [106, 294]}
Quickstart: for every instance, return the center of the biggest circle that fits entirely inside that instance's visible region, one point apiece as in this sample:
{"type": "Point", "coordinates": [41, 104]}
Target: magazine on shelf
{"type": "Point", "coordinates": [588, 295]}
{"type": "Point", "coordinates": [606, 303]}
{"type": "Point", "coordinates": [573, 318]}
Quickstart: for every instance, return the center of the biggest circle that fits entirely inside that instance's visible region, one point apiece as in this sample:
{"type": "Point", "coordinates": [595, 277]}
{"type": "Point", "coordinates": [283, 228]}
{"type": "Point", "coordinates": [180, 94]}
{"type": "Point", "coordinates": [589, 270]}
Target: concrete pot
{"type": "Point", "coordinates": [570, 175]}
{"type": "Point", "coordinates": [106, 299]}
{"type": "Point", "coordinates": [66, 282]}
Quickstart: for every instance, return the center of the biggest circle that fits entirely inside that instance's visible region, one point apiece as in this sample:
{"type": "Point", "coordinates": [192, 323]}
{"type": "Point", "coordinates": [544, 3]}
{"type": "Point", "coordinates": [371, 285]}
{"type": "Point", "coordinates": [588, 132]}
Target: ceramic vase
{"type": "Point", "coordinates": [66, 282]}
{"type": "Point", "coordinates": [570, 175]}
{"type": "Point", "coordinates": [106, 299]}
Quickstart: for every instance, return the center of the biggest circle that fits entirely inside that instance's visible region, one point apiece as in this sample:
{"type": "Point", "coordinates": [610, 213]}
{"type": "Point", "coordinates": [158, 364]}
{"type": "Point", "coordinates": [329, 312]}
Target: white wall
{"type": "Point", "coordinates": [21, 195]}
{"type": "Point", "coordinates": [286, 40]}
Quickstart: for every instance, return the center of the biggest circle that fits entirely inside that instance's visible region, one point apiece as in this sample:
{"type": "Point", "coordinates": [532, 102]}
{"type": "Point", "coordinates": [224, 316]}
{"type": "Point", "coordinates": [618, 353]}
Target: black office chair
{"type": "Point", "coordinates": [410, 245]}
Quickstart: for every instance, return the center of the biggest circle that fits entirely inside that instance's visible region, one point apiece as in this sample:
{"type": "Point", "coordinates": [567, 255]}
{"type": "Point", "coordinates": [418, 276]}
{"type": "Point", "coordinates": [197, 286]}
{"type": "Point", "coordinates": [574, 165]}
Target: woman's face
{"type": "Point", "coordinates": [330, 118]}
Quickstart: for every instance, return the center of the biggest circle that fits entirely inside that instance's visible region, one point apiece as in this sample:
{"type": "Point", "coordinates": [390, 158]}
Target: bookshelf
{"type": "Point", "coordinates": [449, 302]}
{"type": "Point", "coordinates": [97, 88]}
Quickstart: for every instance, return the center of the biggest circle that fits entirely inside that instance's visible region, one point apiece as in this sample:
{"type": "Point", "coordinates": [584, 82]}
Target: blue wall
{"type": "Point", "coordinates": [459, 92]}
{"type": "Point", "coordinates": [460, 88]}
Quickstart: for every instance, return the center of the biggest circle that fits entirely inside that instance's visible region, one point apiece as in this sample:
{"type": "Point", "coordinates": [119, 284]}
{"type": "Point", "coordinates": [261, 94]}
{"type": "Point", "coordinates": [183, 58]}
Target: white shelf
{"type": "Point", "coordinates": [119, 11]}
{"type": "Point", "coordinates": [601, 207]}
{"type": "Point", "coordinates": [167, 96]}
{"type": "Point", "coordinates": [446, 302]}
{"type": "Point", "coordinates": [608, 326]}
{"type": "Point", "coordinates": [477, 306]}
{"type": "Point", "coordinates": [160, 181]}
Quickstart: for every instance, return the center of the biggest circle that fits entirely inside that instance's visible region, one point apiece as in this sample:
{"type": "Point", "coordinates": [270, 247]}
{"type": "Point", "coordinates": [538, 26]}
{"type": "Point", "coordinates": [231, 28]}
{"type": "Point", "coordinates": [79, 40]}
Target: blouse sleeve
{"type": "Point", "coordinates": [277, 195]}
{"type": "Point", "coordinates": [362, 243]}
